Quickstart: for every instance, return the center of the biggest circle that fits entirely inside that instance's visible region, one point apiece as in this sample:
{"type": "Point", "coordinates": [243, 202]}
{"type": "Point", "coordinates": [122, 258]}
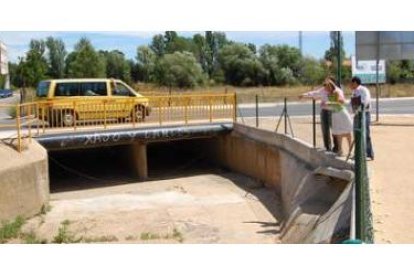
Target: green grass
{"type": "Point", "coordinates": [11, 230]}
{"type": "Point", "coordinates": [130, 238]}
{"type": "Point", "coordinates": [175, 235]}
{"type": "Point", "coordinates": [31, 238]}
{"type": "Point", "coordinates": [149, 236]}
{"type": "Point", "coordinates": [11, 111]}
{"type": "Point", "coordinates": [178, 235]}
{"type": "Point", "coordinates": [45, 209]}
{"type": "Point", "coordinates": [64, 235]}
{"type": "Point", "coordinates": [108, 238]}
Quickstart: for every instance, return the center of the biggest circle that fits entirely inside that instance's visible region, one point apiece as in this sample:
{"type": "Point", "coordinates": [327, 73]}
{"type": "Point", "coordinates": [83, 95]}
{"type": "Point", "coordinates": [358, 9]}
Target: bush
{"type": "Point", "coordinates": [180, 70]}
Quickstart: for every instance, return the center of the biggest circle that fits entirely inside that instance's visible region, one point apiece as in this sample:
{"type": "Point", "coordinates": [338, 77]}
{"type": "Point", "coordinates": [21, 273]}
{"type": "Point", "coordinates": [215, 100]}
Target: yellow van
{"type": "Point", "coordinates": [67, 102]}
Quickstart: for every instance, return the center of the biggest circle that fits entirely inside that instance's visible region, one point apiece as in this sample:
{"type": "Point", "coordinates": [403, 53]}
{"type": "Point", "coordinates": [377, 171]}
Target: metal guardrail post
{"type": "Point", "coordinates": [19, 136]}
{"type": "Point", "coordinates": [37, 115]}
{"type": "Point", "coordinates": [257, 110]}
{"type": "Point", "coordinates": [186, 103]}
{"type": "Point", "coordinates": [234, 107]}
{"type": "Point", "coordinates": [159, 111]}
{"type": "Point", "coordinates": [285, 115]}
{"type": "Point", "coordinates": [43, 119]}
{"type": "Point", "coordinates": [104, 104]}
{"type": "Point", "coordinates": [314, 122]}
{"type": "Point", "coordinates": [29, 115]}
{"type": "Point", "coordinates": [74, 116]}
{"type": "Point", "coordinates": [210, 104]}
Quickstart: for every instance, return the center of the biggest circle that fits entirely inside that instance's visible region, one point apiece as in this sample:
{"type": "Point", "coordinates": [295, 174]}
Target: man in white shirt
{"type": "Point", "coordinates": [361, 97]}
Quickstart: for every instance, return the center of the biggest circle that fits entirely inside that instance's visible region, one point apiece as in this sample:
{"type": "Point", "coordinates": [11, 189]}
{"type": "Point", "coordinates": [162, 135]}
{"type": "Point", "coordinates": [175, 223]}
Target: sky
{"type": "Point", "coordinates": [314, 43]}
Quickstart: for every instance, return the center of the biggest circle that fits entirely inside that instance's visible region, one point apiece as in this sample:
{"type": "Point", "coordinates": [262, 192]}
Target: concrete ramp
{"type": "Point", "coordinates": [315, 187]}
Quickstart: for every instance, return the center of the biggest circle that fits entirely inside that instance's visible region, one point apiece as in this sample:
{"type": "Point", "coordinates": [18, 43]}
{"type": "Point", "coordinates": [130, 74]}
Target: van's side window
{"type": "Point", "coordinates": [67, 89]}
{"type": "Point", "coordinates": [93, 89]}
{"type": "Point", "coordinates": [120, 90]}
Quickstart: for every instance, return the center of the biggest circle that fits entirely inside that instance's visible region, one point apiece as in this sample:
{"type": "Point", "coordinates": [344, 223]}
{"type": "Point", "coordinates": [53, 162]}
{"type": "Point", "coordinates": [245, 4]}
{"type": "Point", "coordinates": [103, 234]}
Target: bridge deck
{"type": "Point", "coordinates": [119, 136]}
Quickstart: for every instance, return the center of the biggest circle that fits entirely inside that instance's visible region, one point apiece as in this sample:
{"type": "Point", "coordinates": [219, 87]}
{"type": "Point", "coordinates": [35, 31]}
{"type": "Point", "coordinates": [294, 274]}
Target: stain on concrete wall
{"type": "Point", "coordinates": [24, 181]}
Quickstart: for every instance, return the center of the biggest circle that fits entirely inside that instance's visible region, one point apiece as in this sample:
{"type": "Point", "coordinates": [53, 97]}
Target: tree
{"type": "Point", "coordinates": [252, 47]}
{"type": "Point", "coordinates": [175, 43]}
{"type": "Point", "coordinates": [332, 54]}
{"type": "Point", "coordinates": [34, 67]}
{"type": "Point", "coordinates": [312, 71]}
{"type": "Point", "coordinates": [289, 57]}
{"type": "Point", "coordinates": [215, 41]}
{"type": "Point", "coordinates": [282, 64]}
{"type": "Point", "coordinates": [158, 45]}
{"type": "Point", "coordinates": [269, 58]}
{"type": "Point", "coordinates": [134, 73]}
{"type": "Point", "coordinates": [240, 65]}
{"type": "Point", "coordinates": [201, 51]}
{"type": "Point", "coordinates": [56, 57]}
{"type": "Point", "coordinates": [85, 62]}
{"type": "Point", "coordinates": [146, 59]}
{"type": "Point", "coordinates": [116, 65]}
{"type": "Point", "coordinates": [179, 69]}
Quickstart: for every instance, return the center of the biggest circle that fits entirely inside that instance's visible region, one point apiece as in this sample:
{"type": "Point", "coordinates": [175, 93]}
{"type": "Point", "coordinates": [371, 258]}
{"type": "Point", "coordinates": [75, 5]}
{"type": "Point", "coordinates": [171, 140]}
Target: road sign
{"type": "Point", "coordinates": [366, 70]}
{"type": "Point", "coordinates": [4, 62]}
{"type": "Point", "coordinates": [384, 45]}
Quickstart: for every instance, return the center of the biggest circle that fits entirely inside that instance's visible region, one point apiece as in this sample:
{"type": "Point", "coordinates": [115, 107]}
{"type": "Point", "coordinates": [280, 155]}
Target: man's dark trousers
{"type": "Point", "coordinates": [370, 150]}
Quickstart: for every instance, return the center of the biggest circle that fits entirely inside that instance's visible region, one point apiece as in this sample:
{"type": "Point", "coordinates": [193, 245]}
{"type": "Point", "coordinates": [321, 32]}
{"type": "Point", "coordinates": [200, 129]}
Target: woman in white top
{"type": "Point", "coordinates": [341, 120]}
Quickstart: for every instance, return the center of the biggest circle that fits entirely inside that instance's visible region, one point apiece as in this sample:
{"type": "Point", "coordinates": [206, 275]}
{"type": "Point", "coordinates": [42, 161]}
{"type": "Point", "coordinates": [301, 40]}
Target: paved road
{"type": "Point", "coordinates": [386, 106]}
{"type": "Point", "coordinates": [4, 111]}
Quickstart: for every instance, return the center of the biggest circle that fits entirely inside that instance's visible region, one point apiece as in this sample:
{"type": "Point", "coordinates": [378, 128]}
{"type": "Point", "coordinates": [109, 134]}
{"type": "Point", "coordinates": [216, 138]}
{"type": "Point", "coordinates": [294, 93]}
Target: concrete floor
{"type": "Point", "coordinates": [218, 207]}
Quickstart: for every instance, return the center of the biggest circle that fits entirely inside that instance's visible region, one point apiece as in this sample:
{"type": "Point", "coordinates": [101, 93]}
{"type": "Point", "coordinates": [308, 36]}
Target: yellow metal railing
{"type": "Point", "coordinates": [21, 122]}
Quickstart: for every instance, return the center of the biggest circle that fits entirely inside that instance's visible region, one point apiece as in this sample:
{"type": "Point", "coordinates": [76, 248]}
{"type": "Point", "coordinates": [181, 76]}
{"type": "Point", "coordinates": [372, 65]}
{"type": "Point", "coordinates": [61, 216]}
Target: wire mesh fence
{"type": "Point", "coordinates": [302, 120]}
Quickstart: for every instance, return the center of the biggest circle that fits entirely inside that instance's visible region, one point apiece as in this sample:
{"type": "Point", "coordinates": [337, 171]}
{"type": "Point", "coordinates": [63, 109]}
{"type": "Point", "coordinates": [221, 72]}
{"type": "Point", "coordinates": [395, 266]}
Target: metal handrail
{"type": "Point", "coordinates": [72, 115]}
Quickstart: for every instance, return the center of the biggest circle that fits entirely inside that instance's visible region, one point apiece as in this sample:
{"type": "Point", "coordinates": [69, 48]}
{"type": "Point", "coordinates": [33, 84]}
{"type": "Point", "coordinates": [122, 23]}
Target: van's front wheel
{"type": "Point", "coordinates": [68, 118]}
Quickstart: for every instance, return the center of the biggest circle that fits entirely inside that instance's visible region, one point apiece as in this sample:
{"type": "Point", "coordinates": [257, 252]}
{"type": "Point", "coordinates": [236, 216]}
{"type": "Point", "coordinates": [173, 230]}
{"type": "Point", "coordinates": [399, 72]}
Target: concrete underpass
{"type": "Point", "coordinates": [224, 186]}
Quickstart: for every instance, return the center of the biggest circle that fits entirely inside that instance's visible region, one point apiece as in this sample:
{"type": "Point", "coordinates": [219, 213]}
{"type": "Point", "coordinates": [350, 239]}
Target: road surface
{"type": "Point", "coordinates": [386, 106]}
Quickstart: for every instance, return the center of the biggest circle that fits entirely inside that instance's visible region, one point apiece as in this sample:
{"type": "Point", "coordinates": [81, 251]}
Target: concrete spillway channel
{"type": "Point", "coordinates": [204, 184]}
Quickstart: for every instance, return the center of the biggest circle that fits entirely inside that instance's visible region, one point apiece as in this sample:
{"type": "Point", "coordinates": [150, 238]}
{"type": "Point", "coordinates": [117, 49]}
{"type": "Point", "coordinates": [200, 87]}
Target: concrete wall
{"type": "Point", "coordinates": [24, 181]}
{"type": "Point", "coordinates": [315, 188]}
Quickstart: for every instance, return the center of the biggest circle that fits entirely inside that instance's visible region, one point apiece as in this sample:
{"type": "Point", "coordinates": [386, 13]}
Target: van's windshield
{"type": "Point", "coordinates": [43, 89]}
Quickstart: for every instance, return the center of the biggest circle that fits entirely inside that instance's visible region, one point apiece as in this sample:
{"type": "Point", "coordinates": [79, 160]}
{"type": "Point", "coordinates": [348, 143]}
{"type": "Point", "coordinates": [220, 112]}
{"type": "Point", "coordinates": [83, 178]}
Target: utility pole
{"type": "Point", "coordinates": [338, 40]}
{"type": "Point", "coordinates": [300, 43]}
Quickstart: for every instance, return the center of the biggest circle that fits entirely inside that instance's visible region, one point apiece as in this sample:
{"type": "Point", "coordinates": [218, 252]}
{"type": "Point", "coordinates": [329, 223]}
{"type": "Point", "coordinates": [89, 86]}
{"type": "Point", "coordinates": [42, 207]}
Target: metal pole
{"type": "Point", "coordinates": [300, 43]}
{"type": "Point", "coordinates": [257, 110]}
{"type": "Point", "coordinates": [358, 176]}
{"type": "Point", "coordinates": [314, 122]}
{"type": "Point", "coordinates": [377, 80]}
{"type": "Point", "coordinates": [285, 113]}
{"type": "Point", "coordinates": [338, 39]}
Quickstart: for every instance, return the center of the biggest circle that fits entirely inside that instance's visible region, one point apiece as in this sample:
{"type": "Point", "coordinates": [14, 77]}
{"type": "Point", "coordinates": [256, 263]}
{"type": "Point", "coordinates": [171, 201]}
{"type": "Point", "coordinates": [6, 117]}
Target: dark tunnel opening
{"type": "Point", "coordinates": [107, 166]}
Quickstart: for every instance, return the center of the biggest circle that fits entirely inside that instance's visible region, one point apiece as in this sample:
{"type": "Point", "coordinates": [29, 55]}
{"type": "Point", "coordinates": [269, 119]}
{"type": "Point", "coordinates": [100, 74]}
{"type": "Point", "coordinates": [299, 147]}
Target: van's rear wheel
{"type": "Point", "coordinates": [139, 113]}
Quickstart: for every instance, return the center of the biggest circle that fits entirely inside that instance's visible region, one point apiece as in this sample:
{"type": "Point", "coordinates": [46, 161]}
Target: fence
{"type": "Point", "coordinates": [363, 213]}
{"type": "Point", "coordinates": [21, 121]}
{"type": "Point", "coordinates": [300, 119]}
{"type": "Point", "coordinates": [287, 115]}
